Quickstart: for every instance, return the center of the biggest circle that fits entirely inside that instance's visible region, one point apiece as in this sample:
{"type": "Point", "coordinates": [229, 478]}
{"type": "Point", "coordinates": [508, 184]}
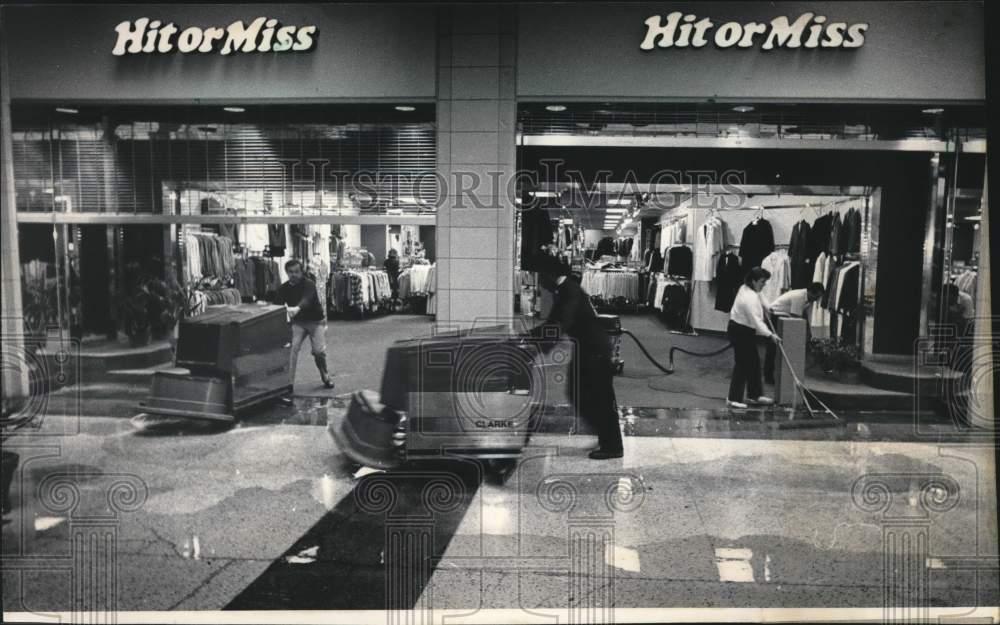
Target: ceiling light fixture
{"type": "Point", "coordinates": [62, 109]}
{"type": "Point", "coordinates": [555, 108]}
{"type": "Point", "coordinates": [234, 109]}
{"type": "Point", "coordinates": [406, 109]}
{"type": "Point", "coordinates": [743, 108]}
{"type": "Point", "coordinates": [933, 111]}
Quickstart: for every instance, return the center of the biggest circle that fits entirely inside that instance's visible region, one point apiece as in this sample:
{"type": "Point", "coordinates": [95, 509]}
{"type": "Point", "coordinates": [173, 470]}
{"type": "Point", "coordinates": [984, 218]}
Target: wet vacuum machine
{"type": "Point", "coordinates": [236, 358]}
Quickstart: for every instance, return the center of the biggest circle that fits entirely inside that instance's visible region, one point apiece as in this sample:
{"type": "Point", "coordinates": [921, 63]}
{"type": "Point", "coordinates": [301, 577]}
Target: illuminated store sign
{"type": "Point", "coordinates": [809, 30]}
{"type": "Point", "coordinates": [145, 36]}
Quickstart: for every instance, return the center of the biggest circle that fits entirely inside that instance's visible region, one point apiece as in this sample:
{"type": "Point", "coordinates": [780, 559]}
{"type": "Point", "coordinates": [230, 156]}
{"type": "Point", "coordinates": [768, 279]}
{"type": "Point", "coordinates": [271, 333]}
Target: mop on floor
{"type": "Point", "coordinates": [827, 419]}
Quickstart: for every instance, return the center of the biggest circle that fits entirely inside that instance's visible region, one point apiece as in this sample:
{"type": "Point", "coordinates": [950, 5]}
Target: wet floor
{"type": "Point", "coordinates": [706, 509]}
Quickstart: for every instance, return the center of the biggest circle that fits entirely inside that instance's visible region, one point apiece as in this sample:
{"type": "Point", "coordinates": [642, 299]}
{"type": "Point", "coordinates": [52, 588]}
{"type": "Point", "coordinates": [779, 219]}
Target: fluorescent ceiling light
{"type": "Point", "coordinates": [234, 109]}
{"type": "Point", "coordinates": [616, 211]}
{"type": "Point", "coordinates": [406, 199]}
{"type": "Point", "coordinates": [61, 109]}
{"type": "Point", "coordinates": [406, 109]}
{"type": "Point", "coordinates": [555, 108]}
{"type": "Point", "coordinates": [619, 201]}
{"type": "Point", "coordinates": [933, 111]}
{"type": "Point", "coordinates": [543, 193]}
{"type": "Point", "coordinates": [743, 108]}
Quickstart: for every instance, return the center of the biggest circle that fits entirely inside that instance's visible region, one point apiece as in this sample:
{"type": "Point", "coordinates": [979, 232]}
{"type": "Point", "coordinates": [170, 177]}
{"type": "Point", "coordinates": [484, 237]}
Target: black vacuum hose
{"type": "Point", "coordinates": [670, 369]}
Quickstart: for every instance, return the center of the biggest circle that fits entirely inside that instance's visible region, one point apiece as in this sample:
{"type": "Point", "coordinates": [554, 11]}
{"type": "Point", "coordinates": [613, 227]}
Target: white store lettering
{"type": "Point", "coordinates": [809, 31]}
{"type": "Point", "coordinates": [262, 34]}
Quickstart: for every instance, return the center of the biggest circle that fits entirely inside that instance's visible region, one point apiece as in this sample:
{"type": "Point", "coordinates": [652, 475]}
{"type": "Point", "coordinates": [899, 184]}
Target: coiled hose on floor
{"type": "Point", "coordinates": [669, 369]}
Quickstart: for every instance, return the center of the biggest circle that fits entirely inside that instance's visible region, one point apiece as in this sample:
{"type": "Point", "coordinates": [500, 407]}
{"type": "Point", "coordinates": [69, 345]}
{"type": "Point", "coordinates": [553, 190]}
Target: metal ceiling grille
{"type": "Point", "coordinates": [170, 167]}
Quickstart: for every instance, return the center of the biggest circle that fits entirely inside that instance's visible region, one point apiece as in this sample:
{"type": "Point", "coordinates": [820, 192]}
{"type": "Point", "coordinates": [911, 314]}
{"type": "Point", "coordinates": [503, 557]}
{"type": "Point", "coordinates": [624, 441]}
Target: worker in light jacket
{"type": "Point", "coordinates": [794, 303]}
{"type": "Point", "coordinates": [592, 390]}
{"type": "Point", "coordinates": [746, 323]}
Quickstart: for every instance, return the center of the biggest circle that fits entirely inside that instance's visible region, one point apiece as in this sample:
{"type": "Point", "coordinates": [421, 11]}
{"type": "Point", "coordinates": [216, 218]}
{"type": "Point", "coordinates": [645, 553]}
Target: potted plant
{"type": "Point", "coordinates": [835, 359]}
{"type": "Point", "coordinates": [167, 303]}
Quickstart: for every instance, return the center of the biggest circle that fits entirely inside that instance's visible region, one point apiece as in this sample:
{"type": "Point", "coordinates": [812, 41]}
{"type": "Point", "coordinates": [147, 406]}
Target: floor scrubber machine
{"type": "Point", "coordinates": [236, 359]}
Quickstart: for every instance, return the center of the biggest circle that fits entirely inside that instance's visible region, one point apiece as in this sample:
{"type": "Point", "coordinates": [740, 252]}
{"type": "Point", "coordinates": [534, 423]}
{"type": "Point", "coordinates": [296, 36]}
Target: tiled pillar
{"type": "Point", "coordinates": [15, 370]}
{"type": "Point", "coordinates": [476, 111]}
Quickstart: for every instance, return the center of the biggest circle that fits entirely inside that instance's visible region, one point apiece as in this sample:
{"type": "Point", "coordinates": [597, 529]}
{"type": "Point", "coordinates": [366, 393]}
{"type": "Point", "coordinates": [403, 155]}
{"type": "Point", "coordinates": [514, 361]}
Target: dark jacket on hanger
{"type": "Point", "coordinates": [605, 247]}
{"type": "Point", "coordinates": [852, 231]}
{"type": "Point", "coordinates": [847, 298]}
{"type": "Point", "coordinates": [728, 278]}
{"type": "Point", "coordinates": [679, 261]}
{"type": "Point", "coordinates": [655, 262]}
{"type": "Point", "coordinates": [836, 226]}
{"type": "Point", "coordinates": [756, 243]}
{"type": "Point", "coordinates": [819, 236]}
{"type": "Point", "coordinates": [798, 255]}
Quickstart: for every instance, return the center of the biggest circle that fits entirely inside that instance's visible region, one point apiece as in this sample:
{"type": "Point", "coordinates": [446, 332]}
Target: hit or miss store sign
{"type": "Point", "coordinates": [146, 36]}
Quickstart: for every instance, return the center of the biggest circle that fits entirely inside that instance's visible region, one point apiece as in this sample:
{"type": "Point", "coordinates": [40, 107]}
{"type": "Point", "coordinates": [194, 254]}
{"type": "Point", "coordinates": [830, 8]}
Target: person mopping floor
{"type": "Point", "coordinates": [746, 323]}
{"type": "Point", "coordinates": [308, 319]}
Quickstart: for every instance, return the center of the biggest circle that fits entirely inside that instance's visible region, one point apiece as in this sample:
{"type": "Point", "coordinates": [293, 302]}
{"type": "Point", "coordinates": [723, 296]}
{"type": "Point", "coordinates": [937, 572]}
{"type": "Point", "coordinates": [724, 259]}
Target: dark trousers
{"type": "Point", "coordinates": [746, 371]}
{"type": "Point", "coordinates": [592, 393]}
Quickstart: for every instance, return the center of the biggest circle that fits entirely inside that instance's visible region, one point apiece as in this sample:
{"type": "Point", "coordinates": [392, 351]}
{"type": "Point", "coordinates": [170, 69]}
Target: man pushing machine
{"type": "Point", "coordinates": [593, 393]}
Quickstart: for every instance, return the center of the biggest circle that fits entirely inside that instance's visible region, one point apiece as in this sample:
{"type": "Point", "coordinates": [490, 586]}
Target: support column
{"type": "Point", "coordinates": [982, 412]}
{"type": "Point", "coordinates": [476, 113]}
{"type": "Point", "coordinates": [15, 378]}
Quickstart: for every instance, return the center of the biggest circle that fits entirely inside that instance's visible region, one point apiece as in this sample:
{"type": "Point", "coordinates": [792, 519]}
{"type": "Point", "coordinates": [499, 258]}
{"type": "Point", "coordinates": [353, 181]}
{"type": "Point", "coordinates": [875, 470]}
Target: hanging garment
{"type": "Point", "coordinates": [798, 255]}
{"type": "Point", "coordinates": [756, 243]}
{"type": "Point", "coordinates": [676, 304]}
{"type": "Point", "coordinates": [679, 261]}
{"type": "Point", "coordinates": [819, 321]}
{"type": "Point", "coordinates": [833, 247]}
{"type": "Point", "coordinates": [729, 277]}
{"type": "Point", "coordinates": [819, 236]}
{"type": "Point", "coordinates": [847, 296]}
{"type": "Point", "coordinates": [709, 243]}
{"type": "Point", "coordinates": [852, 231]}
{"type": "Point", "coordinates": [778, 263]}
{"type": "Point", "coordinates": [276, 236]}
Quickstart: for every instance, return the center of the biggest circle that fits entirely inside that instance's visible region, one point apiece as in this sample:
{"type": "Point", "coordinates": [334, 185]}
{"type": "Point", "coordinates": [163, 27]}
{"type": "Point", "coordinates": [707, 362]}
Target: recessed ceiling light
{"type": "Point", "coordinates": [66, 110]}
{"type": "Point", "coordinates": [555, 108]}
{"type": "Point", "coordinates": [406, 109]}
{"type": "Point", "coordinates": [234, 109]}
{"type": "Point", "coordinates": [743, 108]}
{"type": "Point", "coordinates": [933, 111]}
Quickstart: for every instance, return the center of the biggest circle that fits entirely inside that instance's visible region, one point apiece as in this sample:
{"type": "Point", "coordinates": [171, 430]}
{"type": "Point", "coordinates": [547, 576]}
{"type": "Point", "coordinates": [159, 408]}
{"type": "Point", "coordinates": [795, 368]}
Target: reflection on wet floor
{"type": "Point", "coordinates": [777, 423]}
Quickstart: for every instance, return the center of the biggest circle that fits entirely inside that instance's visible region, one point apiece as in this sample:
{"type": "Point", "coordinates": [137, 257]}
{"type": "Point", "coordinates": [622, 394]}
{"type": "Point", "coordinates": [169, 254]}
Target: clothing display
{"type": "Point", "coordinates": [536, 231]}
{"type": "Point", "coordinates": [200, 299]}
{"type": "Point", "coordinates": [709, 243]}
{"type": "Point", "coordinates": [819, 317]}
{"type": "Point", "coordinates": [852, 231]}
{"type": "Point", "coordinates": [276, 239]}
{"type": "Point", "coordinates": [756, 243]}
{"type": "Point", "coordinates": [415, 281]}
{"type": "Point", "coordinates": [359, 291]}
{"type": "Point", "coordinates": [208, 255]}
{"type": "Point", "coordinates": [655, 262]}
{"type": "Point", "coordinates": [609, 285]}
{"type": "Point", "coordinates": [833, 247]}
{"type": "Point", "coordinates": [673, 233]}
{"type": "Point", "coordinates": [728, 278]}
{"type": "Point", "coordinates": [779, 264]}
{"type": "Point", "coordinates": [256, 277]}
{"type": "Point", "coordinates": [966, 282]}
{"type": "Point", "coordinates": [679, 261]}
{"type": "Point", "coordinates": [819, 236]}
{"type": "Point", "coordinates": [800, 262]}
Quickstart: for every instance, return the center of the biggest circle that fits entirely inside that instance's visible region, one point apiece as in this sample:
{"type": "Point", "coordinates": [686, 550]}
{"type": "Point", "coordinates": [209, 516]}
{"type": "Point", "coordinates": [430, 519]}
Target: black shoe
{"type": "Point", "coordinates": [327, 382]}
{"type": "Point", "coordinates": [600, 454]}
{"type": "Point", "coordinates": [285, 400]}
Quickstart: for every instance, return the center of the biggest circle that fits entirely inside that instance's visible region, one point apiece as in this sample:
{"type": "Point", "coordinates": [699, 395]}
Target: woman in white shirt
{"type": "Point", "coordinates": [746, 322]}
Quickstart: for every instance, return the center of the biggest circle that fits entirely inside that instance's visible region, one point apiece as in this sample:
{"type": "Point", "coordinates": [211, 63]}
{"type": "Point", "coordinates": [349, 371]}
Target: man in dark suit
{"type": "Point", "coordinates": [593, 392]}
